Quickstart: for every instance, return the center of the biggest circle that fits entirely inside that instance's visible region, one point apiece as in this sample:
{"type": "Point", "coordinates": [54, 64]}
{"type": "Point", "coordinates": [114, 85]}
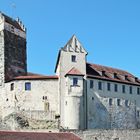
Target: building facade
{"type": "Point", "coordinates": [82, 94]}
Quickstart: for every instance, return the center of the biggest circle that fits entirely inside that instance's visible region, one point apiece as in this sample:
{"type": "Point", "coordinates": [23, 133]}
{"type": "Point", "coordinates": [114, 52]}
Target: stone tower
{"type": "Point", "coordinates": [12, 48]}
{"type": "Point", "coordinates": [71, 68]}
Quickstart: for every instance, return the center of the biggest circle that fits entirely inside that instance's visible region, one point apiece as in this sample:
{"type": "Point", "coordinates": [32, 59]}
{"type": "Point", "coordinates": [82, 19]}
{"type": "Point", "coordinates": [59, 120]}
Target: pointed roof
{"type": "Point", "coordinates": [74, 71]}
{"type": "Point", "coordinates": [70, 46]}
{"type": "Point", "coordinates": [71, 43]}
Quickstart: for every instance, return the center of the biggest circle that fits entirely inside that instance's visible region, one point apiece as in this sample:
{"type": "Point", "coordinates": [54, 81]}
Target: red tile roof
{"type": "Point", "coordinates": [33, 76]}
{"type": "Point", "coordinates": [13, 135]}
{"type": "Point", "coordinates": [75, 71]}
{"type": "Point", "coordinates": [111, 74]}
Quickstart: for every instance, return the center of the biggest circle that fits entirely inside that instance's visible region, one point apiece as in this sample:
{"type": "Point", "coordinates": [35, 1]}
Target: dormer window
{"type": "Point", "coordinates": [103, 73]}
{"type": "Point", "coordinates": [115, 76]}
{"type": "Point", "coordinates": [73, 58]}
{"type": "Point", "coordinates": [126, 78]}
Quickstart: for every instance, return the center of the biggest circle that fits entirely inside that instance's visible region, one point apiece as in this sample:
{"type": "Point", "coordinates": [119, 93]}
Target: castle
{"type": "Point", "coordinates": [82, 95]}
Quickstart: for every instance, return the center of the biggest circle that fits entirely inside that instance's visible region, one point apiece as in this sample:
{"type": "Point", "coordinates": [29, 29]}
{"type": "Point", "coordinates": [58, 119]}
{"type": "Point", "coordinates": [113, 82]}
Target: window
{"type": "Point", "coordinates": [12, 87]}
{"type": "Point", "coordinates": [138, 113]}
{"type": "Point", "coordinates": [130, 89]}
{"type": "Point", "coordinates": [118, 102]}
{"type": "Point", "coordinates": [100, 85]}
{"type": "Point", "coordinates": [108, 86]}
{"type": "Point", "coordinates": [91, 83]}
{"type": "Point", "coordinates": [44, 97]}
{"type": "Point", "coordinates": [110, 102]}
{"type": "Point", "coordinates": [75, 81]}
{"type": "Point", "coordinates": [126, 102]}
{"type": "Point", "coordinates": [138, 91]}
{"type": "Point", "coordinates": [46, 106]}
{"type": "Point", "coordinates": [115, 87]}
{"type": "Point", "coordinates": [27, 86]}
{"type": "Point", "coordinates": [73, 58]}
{"type": "Point", "coordinates": [123, 88]}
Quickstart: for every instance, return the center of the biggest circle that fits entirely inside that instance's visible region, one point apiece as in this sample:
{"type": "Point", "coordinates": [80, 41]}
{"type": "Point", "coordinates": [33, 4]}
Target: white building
{"type": "Point", "coordinates": [85, 95]}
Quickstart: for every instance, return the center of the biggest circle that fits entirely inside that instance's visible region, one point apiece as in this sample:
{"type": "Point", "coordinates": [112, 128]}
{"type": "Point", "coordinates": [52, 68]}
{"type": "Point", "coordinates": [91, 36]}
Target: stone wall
{"type": "Point", "coordinates": [15, 55]}
{"type": "Point", "coordinates": [109, 134]}
{"type": "Point", "coordinates": [102, 115]}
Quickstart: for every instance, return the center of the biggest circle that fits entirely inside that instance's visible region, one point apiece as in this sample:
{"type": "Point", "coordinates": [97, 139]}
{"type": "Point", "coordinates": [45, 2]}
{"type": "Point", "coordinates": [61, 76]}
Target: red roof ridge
{"type": "Point", "coordinates": [114, 70]}
{"type": "Point", "coordinates": [74, 71]}
{"type": "Point", "coordinates": [35, 77]}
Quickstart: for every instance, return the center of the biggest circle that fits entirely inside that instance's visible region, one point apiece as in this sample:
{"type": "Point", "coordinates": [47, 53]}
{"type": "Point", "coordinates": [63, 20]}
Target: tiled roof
{"type": "Point", "coordinates": [13, 135]}
{"type": "Point", "coordinates": [74, 71]}
{"type": "Point", "coordinates": [32, 76]}
{"type": "Point", "coordinates": [12, 22]}
{"type": "Point", "coordinates": [112, 74]}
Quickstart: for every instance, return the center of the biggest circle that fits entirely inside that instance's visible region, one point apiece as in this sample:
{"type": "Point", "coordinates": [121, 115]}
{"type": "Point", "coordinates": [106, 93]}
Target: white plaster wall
{"type": "Point", "coordinates": [33, 99]}
{"type": "Point", "coordinates": [74, 104]}
{"type": "Point", "coordinates": [65, 66]}
{"type": "Point", "coordinates": [110, 116]}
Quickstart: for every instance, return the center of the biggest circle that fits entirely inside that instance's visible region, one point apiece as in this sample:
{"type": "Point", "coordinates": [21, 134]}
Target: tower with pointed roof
{"type": "Point", "coordinates": [71, 69]}
{"type": "Point", "coordinates": [12, 48]}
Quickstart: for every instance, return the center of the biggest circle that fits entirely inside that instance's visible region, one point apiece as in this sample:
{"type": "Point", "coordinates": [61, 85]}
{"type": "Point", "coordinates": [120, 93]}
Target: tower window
{"type": "Point", "coordinates": [130, 89]}
{"type": "Point", "coordinates": [115, 87]}
{"type": "Point", "coordinates": [12, 87]}
{"type": "Point", "coordinates": [75, 81]}
{"type": "Point", "coordinates": [91, 83]}
{"type": "Point", "coordinates": [123, 88]}
{"type": "Point", "coordinates": [27, 86]}
{"type": "Point", "coordinates": [100, 85]}
{"type": "Point", "coordinates": [73, 58]}
{"type": "Point", "coordinates": [108, 87]}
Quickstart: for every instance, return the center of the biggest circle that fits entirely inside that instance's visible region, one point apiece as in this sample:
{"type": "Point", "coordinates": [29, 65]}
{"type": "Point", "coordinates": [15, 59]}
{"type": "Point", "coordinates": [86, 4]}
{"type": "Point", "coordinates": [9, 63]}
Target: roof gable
{"type": "Point", "coordinates": [75, 71]}
{"type": "Point", "coordinates": [74, 45]}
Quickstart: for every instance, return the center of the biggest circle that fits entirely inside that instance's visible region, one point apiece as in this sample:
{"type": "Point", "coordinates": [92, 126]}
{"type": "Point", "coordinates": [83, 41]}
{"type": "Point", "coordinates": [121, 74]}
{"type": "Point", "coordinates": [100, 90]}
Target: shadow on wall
{"type": "Point", "coordinates": [103, 116]}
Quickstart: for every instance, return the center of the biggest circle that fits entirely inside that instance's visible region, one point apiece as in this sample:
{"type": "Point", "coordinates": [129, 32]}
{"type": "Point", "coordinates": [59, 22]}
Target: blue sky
{"type": "Point", "coordinates": [108, 29]}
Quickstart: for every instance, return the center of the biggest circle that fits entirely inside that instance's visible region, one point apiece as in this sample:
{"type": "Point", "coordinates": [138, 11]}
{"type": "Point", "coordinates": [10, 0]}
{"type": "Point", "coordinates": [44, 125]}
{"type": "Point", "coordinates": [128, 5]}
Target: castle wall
{"type": "Point", "coordinates": [65, 66]}
{"type": "Point", "coordinates": [15, 55]}
{"type": "Point", "coordinates": [74, 104]}
{"type": "Point", "coordinates": [43, 96]}
{"type": "Point", "coordinates": [109, 134]}
{"type": "Point", "coordinates": [103, 115]}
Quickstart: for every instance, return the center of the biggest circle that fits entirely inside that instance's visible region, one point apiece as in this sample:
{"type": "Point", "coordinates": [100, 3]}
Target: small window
{"type": "Point", "coordinates": [46, 106]}
{"type": "Point", "coordinates": [138, 113]}
{"type": "Point", "coordinates": [75, 81]}
{"type": "Point", "coordinates": [73, 58]}
{"type": "Point", "coordinates": [28, 86]}
{"type": "Point", "coordinates": [110, 102]}
{"type": "Point", "coordinates": [118, 102]}
{"type": "Point", "coordinates": [115, 87]}
{"type": "Point", "coordinates": [126, 102]}
{"type": "Point", "coordinates": [108, 87]}
{"type": "Point", "coordinates": [92, 98]}
{"type": "Point", "coordinates": [138, 91]}
{"type": "Point", "coordinates": [44, 98]}
{"type": "Point", "coordinates": [91, 83]}
{"type": "Point", "coordinates": [100, 85]}
{"type": "Point", "coordinates": [130, 89]}
{"type": "Point", "coordinates": [12, 87]}
{"type": "Point", "coordinates": [123, 88]}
